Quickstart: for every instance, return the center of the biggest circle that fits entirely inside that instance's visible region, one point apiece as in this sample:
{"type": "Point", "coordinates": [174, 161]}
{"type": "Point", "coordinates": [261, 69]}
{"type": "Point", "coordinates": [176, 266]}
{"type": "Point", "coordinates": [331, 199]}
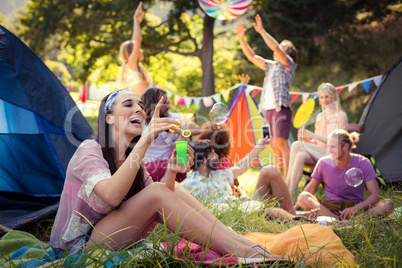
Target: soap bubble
{"type": "Point", "coordinates": [219, 113]}
{"type": "Point", "coordinates": [354, 177]}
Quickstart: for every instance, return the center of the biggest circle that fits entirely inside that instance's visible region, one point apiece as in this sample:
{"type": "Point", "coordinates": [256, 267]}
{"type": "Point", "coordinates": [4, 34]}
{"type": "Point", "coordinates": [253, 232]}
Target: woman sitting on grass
{"type": "Point", "coordinates": [311, 146]}
{"type": "Point", "coordinates": [109, 198]}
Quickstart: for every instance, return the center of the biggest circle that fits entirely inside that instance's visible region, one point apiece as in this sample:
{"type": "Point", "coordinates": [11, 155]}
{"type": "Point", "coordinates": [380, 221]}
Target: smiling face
{"type": "Point", "coordinates": [325, 97]}
{"type": "Point", "coordinates": [337, 149]}
{"type": "Point", "coordinates": [128, 116]}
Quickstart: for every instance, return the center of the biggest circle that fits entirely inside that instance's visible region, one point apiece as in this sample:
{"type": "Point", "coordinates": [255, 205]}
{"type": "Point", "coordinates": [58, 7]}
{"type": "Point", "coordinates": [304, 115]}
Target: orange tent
{"type": "Point", "coordinates": [245, 123]}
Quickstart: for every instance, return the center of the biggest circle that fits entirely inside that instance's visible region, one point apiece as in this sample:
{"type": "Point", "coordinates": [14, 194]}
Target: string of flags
{"type": "Point", "coordinates": [254, 90]}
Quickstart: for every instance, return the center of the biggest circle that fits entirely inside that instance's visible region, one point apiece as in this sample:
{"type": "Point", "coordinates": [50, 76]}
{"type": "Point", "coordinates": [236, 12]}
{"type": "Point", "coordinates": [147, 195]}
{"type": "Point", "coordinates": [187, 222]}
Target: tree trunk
{"type": "Point", "coordinates": [208, 77]}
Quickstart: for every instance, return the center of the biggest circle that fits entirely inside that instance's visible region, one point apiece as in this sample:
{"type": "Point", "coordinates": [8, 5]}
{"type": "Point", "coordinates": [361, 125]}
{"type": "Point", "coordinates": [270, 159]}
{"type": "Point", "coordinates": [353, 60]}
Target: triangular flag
{"type": "Point", "coordinates": [217, 97]}
{"type": "Point", "coordinates": [377, 80]}
{"type": "Point", "coordinates": [208, 102]}
{"type": "Point", "coordinates": [315, 95]}
{"type": "Point", "coordinates": [68, 89]}
{"type": "Point", "coordinates": [225, 94]}
{"type": "Point", "coordinates": [294, 97]}
{"type": "Point", "coordinates": [305, 96]}
{"type": "Point", "coordinates": [255, 91]}
{"type": "Point", "coordinates": [84, 92]}
{"type": "Point", "coordinates": [352, 86]}
{"type": "Point", "coordinates": [187, 101]}
{"type": "Point", "coordinates": [176, 99]}
{"type": "Point", "coordinates": [366, 85]}
{"type": "Point", "coordinates": [197, 101]}
{"type": "Point", "coordinates": [339, 89]}
{"type": "Point", "coordinates": [169, 94]}
{"type": "Point", "coordinates": [181, 101]}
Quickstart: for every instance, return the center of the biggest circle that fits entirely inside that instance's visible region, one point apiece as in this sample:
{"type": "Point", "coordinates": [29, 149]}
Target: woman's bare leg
{"type": "Point", "coordinates": [300, 156]}
{"type": "Point", "coordinates": [126, 224]}
{"type": "Point", "coordinates": [194, 203]}
{"type": "Point", "coordinates": [270, 184]}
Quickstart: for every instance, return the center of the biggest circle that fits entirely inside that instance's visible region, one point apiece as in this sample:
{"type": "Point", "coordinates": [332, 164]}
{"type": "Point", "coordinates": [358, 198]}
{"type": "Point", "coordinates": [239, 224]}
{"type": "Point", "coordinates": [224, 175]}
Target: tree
{"type": "Point", "coordinates": [97, 28]}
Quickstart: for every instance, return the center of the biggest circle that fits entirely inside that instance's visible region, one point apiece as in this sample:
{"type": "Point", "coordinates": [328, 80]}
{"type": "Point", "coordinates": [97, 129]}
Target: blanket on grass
{"type": "Point", "coordinates": [309, 243]}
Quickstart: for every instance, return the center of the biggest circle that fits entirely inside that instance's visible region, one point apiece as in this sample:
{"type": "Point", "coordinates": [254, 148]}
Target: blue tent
{"type": "Point", "coordinates": [40, 129]}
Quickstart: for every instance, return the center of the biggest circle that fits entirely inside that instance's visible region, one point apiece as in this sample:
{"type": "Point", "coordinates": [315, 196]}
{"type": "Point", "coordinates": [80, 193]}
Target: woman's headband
{"type": "Point", "coordinates": [112, 97]}
{"type": "Point", "coordinates": [327, 88]}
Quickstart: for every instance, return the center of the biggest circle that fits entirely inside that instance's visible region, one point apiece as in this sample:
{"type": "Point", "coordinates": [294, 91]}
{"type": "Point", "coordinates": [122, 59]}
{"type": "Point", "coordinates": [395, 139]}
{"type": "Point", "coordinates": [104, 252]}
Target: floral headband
{"type": "Point", "coordinates": [112, 97]}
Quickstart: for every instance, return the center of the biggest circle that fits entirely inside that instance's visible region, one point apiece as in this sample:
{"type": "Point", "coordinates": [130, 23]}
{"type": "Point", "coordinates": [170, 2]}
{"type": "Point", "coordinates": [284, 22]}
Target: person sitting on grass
{"type": "Point", "coordinates": [158, 153]}
{"type": "Point", "coordinates": [342, 200]}
{"type": "Point", "coordinates": [312, 146]}
{"type": "Point", "coordinates": [221, 142]}
{"type": "Point", "coordinates": [109, 199]}
{"type": "Point", "coordinates": [208, 184]}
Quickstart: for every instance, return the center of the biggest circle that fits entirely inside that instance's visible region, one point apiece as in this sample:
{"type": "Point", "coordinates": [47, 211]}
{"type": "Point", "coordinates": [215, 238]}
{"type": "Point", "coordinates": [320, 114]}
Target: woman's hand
{"type": "Point", "coordinates": [157, 124]}
{"type": "Point", "coordinates": [139, 13]}
{"type": "Point", "coordinates": [174, 167]}
{"type": "Point", "coordinates": [262, 143]}
{"type": "Point", "coordinates": [240, 31]}
{"type": "Point", "coordinates": [304, 134]}
{"type": "Point", "coordinates": [258, 24]}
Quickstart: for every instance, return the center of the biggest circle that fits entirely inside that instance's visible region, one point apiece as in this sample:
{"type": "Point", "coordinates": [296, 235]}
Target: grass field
{"type": "Point", "coordinates": [373, 242]}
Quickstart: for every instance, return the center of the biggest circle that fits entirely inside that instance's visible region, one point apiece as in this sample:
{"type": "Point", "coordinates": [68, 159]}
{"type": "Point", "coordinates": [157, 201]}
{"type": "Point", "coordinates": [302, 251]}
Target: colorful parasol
{"type": "Point", "coordinates": [224, 9]}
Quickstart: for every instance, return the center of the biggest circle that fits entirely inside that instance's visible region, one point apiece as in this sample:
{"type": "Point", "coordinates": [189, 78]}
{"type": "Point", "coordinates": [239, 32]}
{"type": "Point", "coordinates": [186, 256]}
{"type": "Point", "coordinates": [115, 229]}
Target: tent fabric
{"type": "Point", "coordinates": [382, 116]}
{"type": "Point", "coordinates": [40, 129]}
{"type": "Point", "coordinates": [245, 124]}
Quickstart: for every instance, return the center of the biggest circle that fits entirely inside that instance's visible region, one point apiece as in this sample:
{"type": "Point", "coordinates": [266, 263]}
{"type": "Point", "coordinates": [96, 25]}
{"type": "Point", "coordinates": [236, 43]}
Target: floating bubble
{"type": "Point", "coordinates": [219, 113]}
{"type": "Point", "coordinates": [354, 177]}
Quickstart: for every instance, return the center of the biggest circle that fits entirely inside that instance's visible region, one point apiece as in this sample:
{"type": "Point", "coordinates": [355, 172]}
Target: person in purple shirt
{"type": "Point", "coordinates": [344, 201]}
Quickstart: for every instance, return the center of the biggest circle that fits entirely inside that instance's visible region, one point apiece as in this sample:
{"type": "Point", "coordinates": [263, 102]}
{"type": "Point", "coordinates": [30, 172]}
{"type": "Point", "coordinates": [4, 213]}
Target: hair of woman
{"type": "Point", "coordinates": [150, 98]}
{"type": "Point", "coordinates": [125, 51]}
{"type": "Point", "coordinates": [104, 138]}
{"type": "Point", "coordinates": [330, 88]}
{"type": "Point", "coordinates": [290, 49]}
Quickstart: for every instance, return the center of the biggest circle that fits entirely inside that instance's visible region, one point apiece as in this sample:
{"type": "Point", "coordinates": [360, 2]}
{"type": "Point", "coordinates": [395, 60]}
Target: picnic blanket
{"type": "Point", "coordinates": [315, 244]}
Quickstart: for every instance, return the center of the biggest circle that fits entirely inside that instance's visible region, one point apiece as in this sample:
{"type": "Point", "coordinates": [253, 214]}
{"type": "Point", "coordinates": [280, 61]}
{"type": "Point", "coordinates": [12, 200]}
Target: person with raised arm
{"type": "Point", "coordinates": [132, 72]}
{"type": "Point", "coordinates": [275, 98]}
{"type": "Point", "coordinates": [110, 200]}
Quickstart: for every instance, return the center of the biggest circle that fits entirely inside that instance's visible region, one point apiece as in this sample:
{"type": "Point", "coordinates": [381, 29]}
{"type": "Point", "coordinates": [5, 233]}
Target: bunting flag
{"type": "Point", "coordinates": [181, 101]}
{"type": "Point", "coordinates": [187, 101]}
{"type": "Point", "coordinates": [305, 96]}
{"type": "Point", "coordinates": [68, 89]}
{"type": "Point", "coordinates": [377, 80]}
{"type": "Point", "coordinates": [216, 97]}
{"type": "Point", "coordinates": [169, 94]}
{"type": "Point", "coordinates": [176, 99]}
{"type": "Point", "coordinates": [208, 102]}
{"type": "Point", "coordinates": [197, 101]}
{"type": "Point", "coordinates": [366, 85]}
{"type": "Point", "coordinates": [294, 97]}
{"type": "Point", "coordinates": [339, 89]}
{"type": "Point", "coordinates": [254, 90]}
{"type": "Point", "coordinates": [225, 94]}
{"type": "Point", "coordinates": [352, 86]}
{"type": "Point", "coordinates": [84, 95]}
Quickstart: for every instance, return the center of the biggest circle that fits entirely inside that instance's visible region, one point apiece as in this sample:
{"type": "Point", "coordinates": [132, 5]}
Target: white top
{"type": "Point", "coordinates": [267, 96]}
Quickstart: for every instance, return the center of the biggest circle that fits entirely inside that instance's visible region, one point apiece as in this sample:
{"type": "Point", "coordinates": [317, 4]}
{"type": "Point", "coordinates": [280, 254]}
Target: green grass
{"type": "Point", "coordinates": [373, 242]}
